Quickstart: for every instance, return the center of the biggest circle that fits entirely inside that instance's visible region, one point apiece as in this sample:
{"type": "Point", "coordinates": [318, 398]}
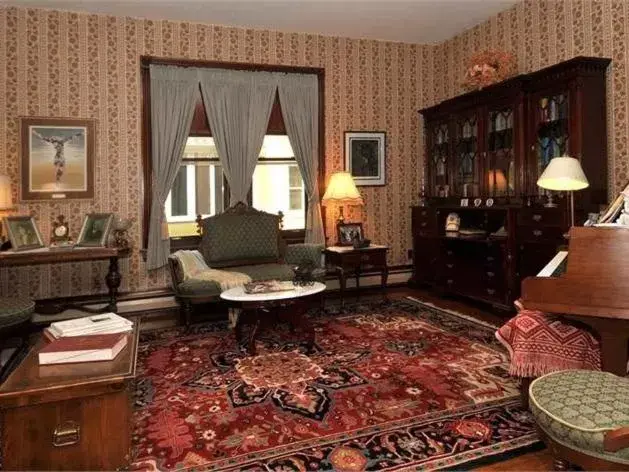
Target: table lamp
{"type": "Point", "coordinates": [6, 201]}
{"type": "Point", "coordinates": [342, 190]}
{"type": "Point", "coordinates": [564, 174]}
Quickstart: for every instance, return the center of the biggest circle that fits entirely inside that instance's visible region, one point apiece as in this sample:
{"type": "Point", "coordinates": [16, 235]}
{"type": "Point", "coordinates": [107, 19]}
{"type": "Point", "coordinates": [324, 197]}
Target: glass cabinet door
{"type": "Point", "coordinates": [500, 157]}
{"type": "Point", "coordinates": [466, 156]}
{"type": "Point", "coordinates": [551, 138]}
{"type": "Point", "coordinates": [439, 160]}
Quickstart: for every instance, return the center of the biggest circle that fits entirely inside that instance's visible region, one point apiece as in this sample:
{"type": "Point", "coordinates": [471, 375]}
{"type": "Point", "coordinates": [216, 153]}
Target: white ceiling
{"type": "Point", "coordinates": [415, 21]}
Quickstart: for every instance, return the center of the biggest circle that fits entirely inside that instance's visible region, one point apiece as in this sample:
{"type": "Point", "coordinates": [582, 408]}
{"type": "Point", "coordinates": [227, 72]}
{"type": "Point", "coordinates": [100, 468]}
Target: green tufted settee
{"type": "Point", "coordinates": [244, 240]}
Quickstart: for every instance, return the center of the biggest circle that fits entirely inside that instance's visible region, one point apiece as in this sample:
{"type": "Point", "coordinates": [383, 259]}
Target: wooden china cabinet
{"type": "Point", "coordinates": [489, 147]}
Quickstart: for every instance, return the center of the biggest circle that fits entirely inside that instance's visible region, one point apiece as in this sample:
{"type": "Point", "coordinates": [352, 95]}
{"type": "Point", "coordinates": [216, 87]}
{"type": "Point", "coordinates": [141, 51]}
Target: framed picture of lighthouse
{"type": "Point", "coordinates": [57, 158]}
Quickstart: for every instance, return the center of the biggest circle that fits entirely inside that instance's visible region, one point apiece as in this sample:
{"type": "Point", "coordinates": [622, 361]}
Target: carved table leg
{"type": "Point", "coordinates": [113, 279]}
{"type": "Point", "coordinates": [251, 346]}
{"type": "Point", "coordinates": [341, 273]}
{"type": "Point", "coordinates": [383, 282]}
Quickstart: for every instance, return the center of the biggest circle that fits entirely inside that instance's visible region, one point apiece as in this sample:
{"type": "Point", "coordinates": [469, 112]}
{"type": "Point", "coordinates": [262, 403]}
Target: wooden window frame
{"type": "Point", "coordinates": [290, 236]}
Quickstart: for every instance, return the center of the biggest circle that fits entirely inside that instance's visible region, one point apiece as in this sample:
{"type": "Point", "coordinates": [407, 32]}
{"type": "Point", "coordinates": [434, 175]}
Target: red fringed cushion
{"type": "Point", "coordinates": [540, 344]}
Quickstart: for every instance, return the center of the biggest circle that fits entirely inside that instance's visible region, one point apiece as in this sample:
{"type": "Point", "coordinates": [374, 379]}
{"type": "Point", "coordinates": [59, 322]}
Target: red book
{"type": "Point", "coordinates": [96, 347]}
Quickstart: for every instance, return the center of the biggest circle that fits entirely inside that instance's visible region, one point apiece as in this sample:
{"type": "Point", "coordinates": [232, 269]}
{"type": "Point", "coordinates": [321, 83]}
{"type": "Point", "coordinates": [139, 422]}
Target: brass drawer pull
{"type": "Point", "coordinates": [537, 232]}
{"type": "Point", "coordinates": [450, 281]}
{"type": "Point", "coordinates": [537, 217]}
{"type": "Point", "coordinates": [365, 257]}
{"type": "Point", "coordinates": [66, 434]}
{"type": "Point", "coordinates": [490, 259]}
{"type": "Point", "coordinates": [491, 291]}
{"type": "Point", "coordinates": [490, 274]}
{"type": "Point", "coordinates": [449, 253]}
{"type": "Point", "coordinates": [449, 266]}
{"type": "Point", "coordinates": [424, 212]}
{"type": "Point", "coordinates": [424, 224]}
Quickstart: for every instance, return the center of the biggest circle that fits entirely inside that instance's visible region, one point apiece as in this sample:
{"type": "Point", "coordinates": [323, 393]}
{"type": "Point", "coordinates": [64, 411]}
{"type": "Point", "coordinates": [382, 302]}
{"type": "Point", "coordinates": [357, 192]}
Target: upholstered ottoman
{"type": "Point", "coordinates": [583, 417]}
{"type": "Point", "coordinates": [14, 311]}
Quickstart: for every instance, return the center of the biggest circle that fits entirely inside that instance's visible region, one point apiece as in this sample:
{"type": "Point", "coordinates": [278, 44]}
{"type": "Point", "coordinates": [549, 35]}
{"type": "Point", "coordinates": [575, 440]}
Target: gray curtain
{"type": "Point", "coordinates": [299, 101]}
{"type": "Point", "coordinates": [173, 95]}
{"type": "Point", "coordinates": [238, 105]}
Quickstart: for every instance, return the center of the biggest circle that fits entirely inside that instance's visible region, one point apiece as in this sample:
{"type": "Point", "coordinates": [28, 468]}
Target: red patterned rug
{"type": "Point", "coordinates": [389, 385]}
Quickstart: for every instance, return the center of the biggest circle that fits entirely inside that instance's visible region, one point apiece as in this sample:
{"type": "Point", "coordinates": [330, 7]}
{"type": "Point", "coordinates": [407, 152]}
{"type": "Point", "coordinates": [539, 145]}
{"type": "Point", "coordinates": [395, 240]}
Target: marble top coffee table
{"type": "Point", "coordinates": [264, 309]}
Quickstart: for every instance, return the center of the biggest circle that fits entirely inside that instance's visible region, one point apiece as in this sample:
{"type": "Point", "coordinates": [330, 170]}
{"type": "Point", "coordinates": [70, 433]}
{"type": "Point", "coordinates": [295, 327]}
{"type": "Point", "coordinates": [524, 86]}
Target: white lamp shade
{"type": "Point", "coordinates": [563, 173]}
{"type": "Point", "coordinates": [342, 188]}
{"type": "Point", "coordinates": [6, 202]}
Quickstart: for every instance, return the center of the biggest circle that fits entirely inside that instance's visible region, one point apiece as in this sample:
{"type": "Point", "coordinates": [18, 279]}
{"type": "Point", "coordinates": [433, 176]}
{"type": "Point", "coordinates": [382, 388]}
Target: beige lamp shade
{"type": "Point", "coordinates": [497, 182]}
{"type": "Point", "coordinates": [342, 188]}
{"type": "Point", "coordinates": [563, 174]}
{"type": "Point", "coordinates": [6, 202]}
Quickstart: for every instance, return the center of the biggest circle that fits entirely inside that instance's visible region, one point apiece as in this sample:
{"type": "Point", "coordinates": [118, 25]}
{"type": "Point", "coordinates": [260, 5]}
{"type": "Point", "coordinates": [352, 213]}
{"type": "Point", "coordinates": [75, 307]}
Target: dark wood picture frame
{"type": "Point", "coordinates": [377, 175]}
{"type": "Point", "coordinates": [343, 235]}
{"type": "Point", "coordinates": [27, 193]}
{"type": "Point", "coordinates": [14, 238]}
{"type": "Point", "coordinates": [83, 239]}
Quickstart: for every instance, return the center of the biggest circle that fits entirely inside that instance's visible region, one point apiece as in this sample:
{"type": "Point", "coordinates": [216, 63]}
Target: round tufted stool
{"type": "Point", "coordinates": [14, 311]}
{"type": "Point", "coordinates": [583, 417]}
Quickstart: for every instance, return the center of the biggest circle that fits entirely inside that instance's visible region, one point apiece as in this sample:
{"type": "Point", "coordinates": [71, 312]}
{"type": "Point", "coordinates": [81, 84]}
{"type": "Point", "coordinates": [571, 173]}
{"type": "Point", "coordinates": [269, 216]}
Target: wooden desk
{"type": "Point", "coordinates": [78, 254]}
{"type": "Point", "coordinates": [347, 260]}
{"type": "Point", "coordinates": [68, 416]}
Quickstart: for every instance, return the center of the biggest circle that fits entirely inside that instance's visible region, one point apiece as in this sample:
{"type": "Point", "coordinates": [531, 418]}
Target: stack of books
{"type": "Point", "coordinates": [89, 339]}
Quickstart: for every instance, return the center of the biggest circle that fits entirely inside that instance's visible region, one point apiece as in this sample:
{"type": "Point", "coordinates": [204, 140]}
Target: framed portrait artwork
{"type": "Point", "coordinates": [23, 233]}
{"type": "Point", "coordinates": [364, 157]}
{"type": "Point", "coordinates": [57, 158]}
{"type": "Point", "coordinates": [349, 232]}
{"type": "Point", "coordinates": [95, 230]}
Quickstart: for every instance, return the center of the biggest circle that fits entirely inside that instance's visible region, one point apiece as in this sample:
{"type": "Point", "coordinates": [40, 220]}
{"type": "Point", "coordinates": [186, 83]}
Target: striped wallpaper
{"type": "Point", "coordinates": [56, 63]}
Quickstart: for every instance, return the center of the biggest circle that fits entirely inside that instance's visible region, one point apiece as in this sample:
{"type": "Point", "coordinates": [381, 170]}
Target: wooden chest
{"type": "Point", "coordinates": [68, 416]}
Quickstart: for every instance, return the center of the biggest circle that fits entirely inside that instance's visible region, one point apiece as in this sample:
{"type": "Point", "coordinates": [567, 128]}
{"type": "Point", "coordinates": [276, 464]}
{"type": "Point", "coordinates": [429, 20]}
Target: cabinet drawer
{"type": "Point", "coordinates": [541, 217]}
{"type": "Point", "coordinates": [364, 259]}
{"type": "Point", "coordinates": [539, 233]}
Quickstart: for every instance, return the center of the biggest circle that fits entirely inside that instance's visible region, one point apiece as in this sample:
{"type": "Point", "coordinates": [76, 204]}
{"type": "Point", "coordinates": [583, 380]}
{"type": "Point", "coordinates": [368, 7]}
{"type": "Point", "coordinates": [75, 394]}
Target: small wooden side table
{"type": "Point", "coordinates": [69, 416]}
{"type": "Point", "coordinates": [347, 260]}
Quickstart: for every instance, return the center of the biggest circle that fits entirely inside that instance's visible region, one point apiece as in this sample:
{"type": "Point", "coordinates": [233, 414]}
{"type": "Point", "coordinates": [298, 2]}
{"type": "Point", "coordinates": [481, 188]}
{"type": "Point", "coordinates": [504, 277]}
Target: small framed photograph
{"type": "Point", "coordinates": [349, 232]}
{"type": "Point", "coordinates": [464, 202]}
{"type": "Point", "coordinates": [364, 157]}
{"type": "Point", "coordinates": [23, 233]}
{"type": "Point", "coordinates": [57, 158]}
{"type": "Point", "coordinates": [95, 230]}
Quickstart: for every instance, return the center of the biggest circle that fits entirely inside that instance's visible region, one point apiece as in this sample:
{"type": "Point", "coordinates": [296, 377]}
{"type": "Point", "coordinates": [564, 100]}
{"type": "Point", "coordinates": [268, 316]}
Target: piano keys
{"type": "Point", "coordinates": [589, 283]}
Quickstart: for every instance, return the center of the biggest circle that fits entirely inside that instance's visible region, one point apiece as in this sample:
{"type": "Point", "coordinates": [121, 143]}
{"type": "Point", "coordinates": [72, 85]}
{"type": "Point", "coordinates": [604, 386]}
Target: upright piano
{"type": "Point", "coordinates": [589, 283]}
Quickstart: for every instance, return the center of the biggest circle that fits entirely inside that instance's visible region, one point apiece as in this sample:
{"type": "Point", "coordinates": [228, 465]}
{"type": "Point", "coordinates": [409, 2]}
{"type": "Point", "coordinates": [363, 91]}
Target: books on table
{"type": "Point", "coordinates": [90, 348]}
{"type": "Point", "coordinates": [105, 323]}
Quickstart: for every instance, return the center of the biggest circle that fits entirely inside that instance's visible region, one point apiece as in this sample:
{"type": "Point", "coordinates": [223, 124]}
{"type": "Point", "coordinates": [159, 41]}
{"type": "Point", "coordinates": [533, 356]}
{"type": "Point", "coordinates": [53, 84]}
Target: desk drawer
{"type": "Point", "coordinates": [542, 217]}
{"type": "Point", "coordinates": [539, 233]}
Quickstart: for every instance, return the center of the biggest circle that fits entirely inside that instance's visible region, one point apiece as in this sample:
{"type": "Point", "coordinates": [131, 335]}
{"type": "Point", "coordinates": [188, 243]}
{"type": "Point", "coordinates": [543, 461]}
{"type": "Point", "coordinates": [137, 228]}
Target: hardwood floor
{"type": "Point", "coordinates": [533, 461]}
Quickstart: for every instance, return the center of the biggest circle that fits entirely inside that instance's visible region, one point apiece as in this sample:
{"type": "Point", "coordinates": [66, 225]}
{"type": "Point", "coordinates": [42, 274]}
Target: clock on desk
{"type": "Point", "coordinates": [60, 231]}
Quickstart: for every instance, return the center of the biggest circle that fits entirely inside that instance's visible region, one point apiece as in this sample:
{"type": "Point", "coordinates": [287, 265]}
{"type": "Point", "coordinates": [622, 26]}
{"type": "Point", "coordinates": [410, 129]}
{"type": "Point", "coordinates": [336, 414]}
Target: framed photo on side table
{"type": "Point", "coordinates": [23, 233]}
{"type": "Point", "coordinates": [95, 230]}
{"type": "Point", "coordinates": [364, 157]}
{"type": "Point", "coordinates": [57, 158]}
{"type": "Point", "coordinates": [349, 232]}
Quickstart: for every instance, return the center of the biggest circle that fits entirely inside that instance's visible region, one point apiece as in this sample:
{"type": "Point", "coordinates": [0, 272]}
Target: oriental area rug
{"type": "Point", "coordinates": [395, 385]}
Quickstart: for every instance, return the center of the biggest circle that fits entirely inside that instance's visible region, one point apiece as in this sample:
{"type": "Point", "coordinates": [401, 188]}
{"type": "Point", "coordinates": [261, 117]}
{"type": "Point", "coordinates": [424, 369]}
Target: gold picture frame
{"type": "Point", "coordinates": [95, 230]}
{"type": "Point", "coordinates": [23, 232]}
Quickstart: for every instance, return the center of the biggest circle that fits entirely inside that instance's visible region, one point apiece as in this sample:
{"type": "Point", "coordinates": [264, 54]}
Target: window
{"type": "Point", "coordinates": [200, 188]}
{"type": "Point", "coordinates": [277, 183]}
